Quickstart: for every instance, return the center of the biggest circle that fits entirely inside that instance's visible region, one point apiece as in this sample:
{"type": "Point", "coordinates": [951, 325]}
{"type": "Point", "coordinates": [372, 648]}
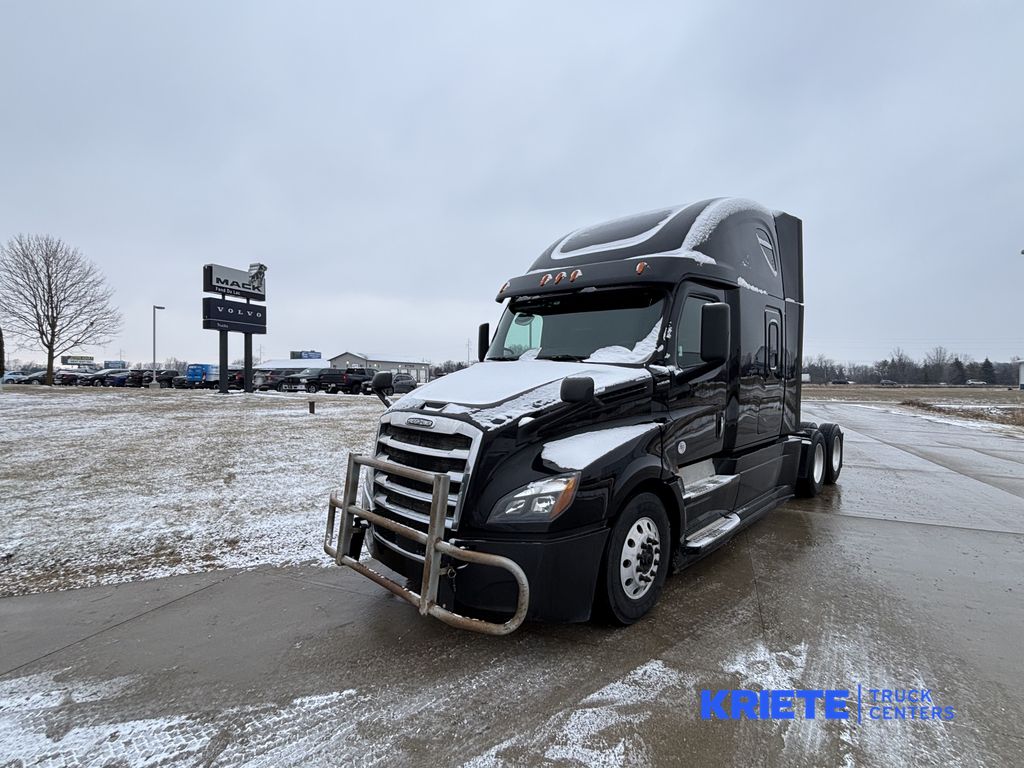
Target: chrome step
{"type": "Point", "coordinates": [713, 531]}
{"type": "Point", "coordinates": [705, 485]}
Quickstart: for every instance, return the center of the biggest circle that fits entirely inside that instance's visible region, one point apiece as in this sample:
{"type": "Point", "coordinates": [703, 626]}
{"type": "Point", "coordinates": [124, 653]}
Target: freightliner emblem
{"type": "Point", "coordinates": [416, 421]}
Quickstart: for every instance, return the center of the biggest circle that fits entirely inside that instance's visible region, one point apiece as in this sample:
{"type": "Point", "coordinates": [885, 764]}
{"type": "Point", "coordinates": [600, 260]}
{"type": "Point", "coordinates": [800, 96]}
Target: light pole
{"type": "Point", "coordinates": [154, 384]}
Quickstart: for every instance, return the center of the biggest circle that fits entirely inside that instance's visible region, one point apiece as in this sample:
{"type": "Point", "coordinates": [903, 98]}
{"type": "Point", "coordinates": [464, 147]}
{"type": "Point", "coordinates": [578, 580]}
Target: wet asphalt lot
{"type": "Point", "coordinates": [908, 574]}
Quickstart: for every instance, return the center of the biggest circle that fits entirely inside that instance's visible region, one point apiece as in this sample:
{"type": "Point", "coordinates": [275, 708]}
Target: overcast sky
{"type": "Point", "coordinates": [394, 163]}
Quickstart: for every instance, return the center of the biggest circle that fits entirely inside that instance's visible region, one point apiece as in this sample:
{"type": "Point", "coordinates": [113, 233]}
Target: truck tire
{"type": "Point", "coordinates": [812, 474]}
{"type": "Point", "coordinates": [833, 452]}
{"type": "Point", "coordinates": [311, 388]}
{"type": "Point", "coordinates": [636, 560]}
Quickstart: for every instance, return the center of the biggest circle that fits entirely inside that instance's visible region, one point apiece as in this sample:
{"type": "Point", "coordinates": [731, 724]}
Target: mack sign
{"type": "Point", "coordinates": [236, 282]}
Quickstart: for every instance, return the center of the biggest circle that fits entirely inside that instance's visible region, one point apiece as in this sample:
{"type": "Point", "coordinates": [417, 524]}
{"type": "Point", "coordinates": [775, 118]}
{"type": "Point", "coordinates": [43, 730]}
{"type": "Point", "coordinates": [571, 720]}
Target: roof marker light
{"type": "Point", "coordinates": [505, 286]}
{"type": "Point", "coordinates": [559, 277]}
{"type": "Point", "coordinates": [641, 267]}
{"type": "Point", "coordinates": [575, 273]}
{"type": "Point", "coordinates": [545, 280]}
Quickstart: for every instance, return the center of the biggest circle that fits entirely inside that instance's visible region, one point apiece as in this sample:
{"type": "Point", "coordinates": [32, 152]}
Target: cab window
{"type": "Point", "coordinates": [687, 331]}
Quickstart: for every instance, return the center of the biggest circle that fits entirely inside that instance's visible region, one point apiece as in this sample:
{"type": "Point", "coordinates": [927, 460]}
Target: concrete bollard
{"type": "Point", "coordinates": [312, 406]}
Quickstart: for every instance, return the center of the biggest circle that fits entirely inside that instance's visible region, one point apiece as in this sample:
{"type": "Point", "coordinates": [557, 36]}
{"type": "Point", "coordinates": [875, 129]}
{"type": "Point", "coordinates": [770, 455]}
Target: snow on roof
{"type": "Point", "coordinates": [388, 357]}
{"type": "Point", "coordinates": [268, 365]}
{"type": "Point", "coordinates": [713, 215]}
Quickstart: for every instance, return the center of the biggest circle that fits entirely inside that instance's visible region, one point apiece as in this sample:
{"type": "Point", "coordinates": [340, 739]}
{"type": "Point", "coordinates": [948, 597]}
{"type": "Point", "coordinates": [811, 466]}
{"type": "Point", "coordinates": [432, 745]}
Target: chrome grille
{"type": "Point", "coordinates": [448, 446]}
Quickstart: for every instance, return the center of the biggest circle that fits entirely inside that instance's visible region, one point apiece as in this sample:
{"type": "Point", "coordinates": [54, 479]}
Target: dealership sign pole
{"type": "Point", "coordinates": [223, 315]}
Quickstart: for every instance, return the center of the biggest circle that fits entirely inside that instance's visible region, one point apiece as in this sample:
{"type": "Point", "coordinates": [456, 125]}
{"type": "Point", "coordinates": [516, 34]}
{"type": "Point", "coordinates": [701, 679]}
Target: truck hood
{"type": "Point", "coordinates": [497, 392]}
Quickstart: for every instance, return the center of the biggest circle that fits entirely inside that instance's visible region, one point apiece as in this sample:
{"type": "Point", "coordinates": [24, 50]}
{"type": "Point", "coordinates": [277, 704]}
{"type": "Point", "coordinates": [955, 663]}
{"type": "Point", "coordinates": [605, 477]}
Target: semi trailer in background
{"type": "Point", "coordinates": [638, 405]}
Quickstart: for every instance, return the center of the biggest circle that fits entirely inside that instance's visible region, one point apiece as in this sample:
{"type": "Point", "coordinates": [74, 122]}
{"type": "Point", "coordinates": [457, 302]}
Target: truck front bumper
{"type": "Point", "coordinates": [488, 585]}
{"type": "Point", "coordinates": [562, 573]}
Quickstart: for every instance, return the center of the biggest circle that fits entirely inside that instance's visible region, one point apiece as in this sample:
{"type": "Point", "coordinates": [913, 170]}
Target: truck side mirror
{"type": "Point", "coordinates": [381, 381]}
{"type": "Point", "coordinates": [483, 341]}
{"type": "Point", "coordinates": [714, 333]}
{"type": "Point", "coordinates": [577, 389]}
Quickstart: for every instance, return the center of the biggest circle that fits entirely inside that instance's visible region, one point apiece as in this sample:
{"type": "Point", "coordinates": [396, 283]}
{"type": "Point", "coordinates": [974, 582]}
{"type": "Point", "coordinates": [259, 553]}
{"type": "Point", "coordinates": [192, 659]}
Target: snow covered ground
{"type": "Point", "coordinates": [104, 486]}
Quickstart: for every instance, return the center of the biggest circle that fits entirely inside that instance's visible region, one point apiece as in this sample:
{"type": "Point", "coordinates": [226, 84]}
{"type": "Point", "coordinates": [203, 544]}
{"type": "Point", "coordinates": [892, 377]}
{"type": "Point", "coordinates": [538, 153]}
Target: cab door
{"type": "Point", "coordinates": [696, 409]}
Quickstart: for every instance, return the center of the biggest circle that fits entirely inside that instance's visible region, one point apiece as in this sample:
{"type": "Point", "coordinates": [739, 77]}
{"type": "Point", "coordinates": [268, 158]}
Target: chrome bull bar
{"type": "Point", "coordinates": [337, 546]}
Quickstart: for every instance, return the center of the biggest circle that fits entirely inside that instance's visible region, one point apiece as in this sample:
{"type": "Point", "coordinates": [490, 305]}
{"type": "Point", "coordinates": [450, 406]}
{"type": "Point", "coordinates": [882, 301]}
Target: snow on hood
{"type": "Point", "coordinates": [497, 392]}
{"type": "Point", "coordinates": [578, 451]}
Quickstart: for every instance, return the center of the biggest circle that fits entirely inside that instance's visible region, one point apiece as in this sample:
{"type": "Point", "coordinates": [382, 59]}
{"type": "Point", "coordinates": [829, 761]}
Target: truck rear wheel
{"type": "Point", "coordinates": [833, 452]}
{"type": "Point", "coordinates": [636, 560]}
{"type": "Point", "coordinates": [812, 475]}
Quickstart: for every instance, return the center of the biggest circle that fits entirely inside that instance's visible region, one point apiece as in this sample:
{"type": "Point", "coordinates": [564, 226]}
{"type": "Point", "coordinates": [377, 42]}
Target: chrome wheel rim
{"type": "Point", "coordinates": [640, 558]}
{"type": "Point", "coordinates": [837, 453]}
{"type": "Point", "coordinates": [819, 462]}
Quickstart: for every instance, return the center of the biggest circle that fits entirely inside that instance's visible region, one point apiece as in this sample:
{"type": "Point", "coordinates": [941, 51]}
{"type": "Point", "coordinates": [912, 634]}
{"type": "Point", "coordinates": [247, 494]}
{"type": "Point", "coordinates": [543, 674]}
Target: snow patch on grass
{"type": "Point", "coordinates": [100, 487]}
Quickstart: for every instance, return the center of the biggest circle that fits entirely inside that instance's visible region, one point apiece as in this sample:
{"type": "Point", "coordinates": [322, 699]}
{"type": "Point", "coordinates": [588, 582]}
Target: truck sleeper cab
{"type": "Point", "coordinates": [638, 404]}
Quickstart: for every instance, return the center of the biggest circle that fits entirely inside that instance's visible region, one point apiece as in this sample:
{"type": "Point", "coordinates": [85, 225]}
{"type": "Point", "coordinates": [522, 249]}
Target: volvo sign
{"type": "Point", "coordinates": [223, 315]}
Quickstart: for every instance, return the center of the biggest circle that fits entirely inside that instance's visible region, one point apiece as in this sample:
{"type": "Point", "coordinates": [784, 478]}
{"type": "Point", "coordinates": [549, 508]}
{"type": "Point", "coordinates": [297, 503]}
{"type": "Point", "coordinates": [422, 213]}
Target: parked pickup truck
{"type": "Point", "coordinates": [353, 380]}
{"type": "Point", "coordinates": [315, 380]}
{"type": "Point", "coordinates": [636, 408]}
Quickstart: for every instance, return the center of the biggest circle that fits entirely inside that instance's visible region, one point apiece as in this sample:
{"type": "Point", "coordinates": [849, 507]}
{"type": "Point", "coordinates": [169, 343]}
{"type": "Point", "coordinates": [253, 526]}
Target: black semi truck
{"type": "Point", "coordinates": [638, 405]}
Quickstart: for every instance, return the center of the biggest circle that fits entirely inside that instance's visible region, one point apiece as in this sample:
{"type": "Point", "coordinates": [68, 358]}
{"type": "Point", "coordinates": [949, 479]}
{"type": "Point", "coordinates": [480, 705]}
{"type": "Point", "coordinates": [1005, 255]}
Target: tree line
{"type": "Point", "coordinates": [939, 366]}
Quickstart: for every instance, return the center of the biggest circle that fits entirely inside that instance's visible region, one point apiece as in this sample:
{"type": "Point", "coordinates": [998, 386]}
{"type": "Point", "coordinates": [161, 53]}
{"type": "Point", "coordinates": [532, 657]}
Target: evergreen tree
{"type": "Point", "coordinates": [988, 371]}
{"type": "Point", "coordinates": [957, 374]}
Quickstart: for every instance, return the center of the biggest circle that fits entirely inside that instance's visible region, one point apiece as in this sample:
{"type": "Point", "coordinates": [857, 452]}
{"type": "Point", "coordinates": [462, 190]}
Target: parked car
{"type": "Point", "coordinates": [267, 380]}
{"type": "Point", "coordinates": [119, 379]}
{"type": "Point", "coordinates": [840, 381]}
{"type": "Point", "coordinates": [401, 383]}
{"type": "Point", "coordinates": [13, 377]}
{"type": "Point", "coordinates": [143, 378]}
{"type": "Point", "coordinates": [66, 378]}
{"type": "Point", "coordinates": [39, 377]}
{"type": "Point", "coordinates": [976, 383]}
{"type": "Point", "coordinates": [888, 383]}
{"type": "Point", "coordinates": [316, 380]}
{"type": "Point", "coordinates": [181, 382]}
{"type": "Point", "coordinates": [98, 378]}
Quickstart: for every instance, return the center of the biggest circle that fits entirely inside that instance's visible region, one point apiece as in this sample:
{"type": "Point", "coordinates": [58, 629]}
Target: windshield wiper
{"type": "Point", "coordinates": [562, 358]}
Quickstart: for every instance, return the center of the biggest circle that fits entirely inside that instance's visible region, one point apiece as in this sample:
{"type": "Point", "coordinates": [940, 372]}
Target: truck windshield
{"type": "Point", "coordinates": [608, 326]}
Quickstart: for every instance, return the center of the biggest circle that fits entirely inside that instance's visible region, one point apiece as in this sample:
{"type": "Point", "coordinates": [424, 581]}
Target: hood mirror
{"type": "Point", "coordinates": [577, 389]}
{"type": "Point", "coordinates": [483, 341]}
{"type": "Point", "coordinates": [382, 382]}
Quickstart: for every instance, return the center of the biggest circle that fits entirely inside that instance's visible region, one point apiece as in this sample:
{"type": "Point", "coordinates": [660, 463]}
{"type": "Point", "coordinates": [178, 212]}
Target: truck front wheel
{"type": "Point", "coordinates": [311, 388]}
{"type": "Point", "coordinates": [636, 559]}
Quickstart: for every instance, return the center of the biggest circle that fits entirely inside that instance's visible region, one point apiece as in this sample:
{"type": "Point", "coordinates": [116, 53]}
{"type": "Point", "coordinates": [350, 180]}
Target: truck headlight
{"type": "Point", "coordinates": [540, 501]}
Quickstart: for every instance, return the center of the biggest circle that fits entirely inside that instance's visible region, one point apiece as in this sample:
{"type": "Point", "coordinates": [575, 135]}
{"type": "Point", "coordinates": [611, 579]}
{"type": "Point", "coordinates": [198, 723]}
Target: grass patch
{"type": "Point", "coordinates": [1013, 416]}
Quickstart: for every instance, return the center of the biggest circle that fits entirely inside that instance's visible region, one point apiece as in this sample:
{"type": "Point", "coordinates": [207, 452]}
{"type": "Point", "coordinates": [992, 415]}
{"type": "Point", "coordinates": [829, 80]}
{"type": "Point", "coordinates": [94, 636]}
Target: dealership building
{"type": "Point", "coordinates": [418, 369]}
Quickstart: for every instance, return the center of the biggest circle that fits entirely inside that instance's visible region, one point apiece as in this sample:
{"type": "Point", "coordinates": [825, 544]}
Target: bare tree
{"type": "Point", "coordinates": [51, 295]}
